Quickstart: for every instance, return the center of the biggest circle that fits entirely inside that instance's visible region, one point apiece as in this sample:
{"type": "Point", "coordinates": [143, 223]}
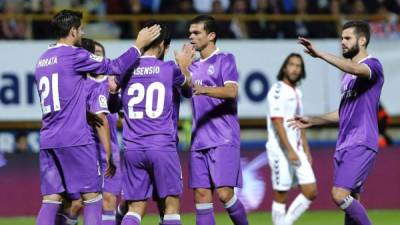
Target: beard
{"type": "Point", "coordinates": [353, 51]}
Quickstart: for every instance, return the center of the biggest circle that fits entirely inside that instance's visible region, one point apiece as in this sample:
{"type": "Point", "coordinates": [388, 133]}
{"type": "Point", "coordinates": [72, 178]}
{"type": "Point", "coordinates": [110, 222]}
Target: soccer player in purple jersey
{"type": "Point", "coordinates": [357, 142]}
{"type": "Point", "coordinates": [288, 152]}
{"type": "Point", "coordinates": [68, 160]}
{"type": "Point", "coordinates": [150, 100]}
{"type": "Point", "coordinates": [105, 136]}
{"type": "Point", "coordinates": [215, 147]}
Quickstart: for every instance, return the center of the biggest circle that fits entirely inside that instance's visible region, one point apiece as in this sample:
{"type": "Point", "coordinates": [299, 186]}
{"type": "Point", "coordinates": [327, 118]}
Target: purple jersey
{"type": "Point", "coordinates": [358, 122]}
{"type": "Point", "coordinates": [150, 101]}
{"type": "Point", "coordinates": [215, 121]}
{"type": "Point", "coordinates": [60, 78]}
{"type": "Point", "coordinates": [97, 103]}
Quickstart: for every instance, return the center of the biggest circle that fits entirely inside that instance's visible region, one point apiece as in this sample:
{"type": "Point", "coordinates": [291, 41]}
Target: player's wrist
{"type": "Point", "coordinates": [113, 92]}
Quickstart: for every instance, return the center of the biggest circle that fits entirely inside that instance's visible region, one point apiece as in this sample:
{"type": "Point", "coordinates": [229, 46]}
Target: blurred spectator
{"type": "Point", "coordinates": [13, 27]}
{"type": "Point", "coordinates": [223, 25]}
{"type": "Point", "coordinates": [40, 28]}
{"type": "Point", "coordinates": [151, 5]}
{"type": "Point", "coordinates": [298, 27]}
{"type": "Point", "coordinates": [180, 27]}
{"type": "Point", "coordinates": [124, 7]}
{"type": "Point", "coordinates": [21, 142]}
{"type": "Point", "coordinates": [383, 121]}
{"type": "Point", "coordinates": [263, 28]}
{"type": "Point", "coordinates": [205, 6]}
{"type": "Point", "coordinates": [238, 27]}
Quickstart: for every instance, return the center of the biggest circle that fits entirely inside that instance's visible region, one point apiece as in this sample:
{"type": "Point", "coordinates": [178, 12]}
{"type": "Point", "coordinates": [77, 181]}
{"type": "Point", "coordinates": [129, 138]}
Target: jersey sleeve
{"type": "Point", "coordinates": [97, 101]}
{"type": "Point", "coordinates": [87, 62]}
{"type": "Point", "coordinates": [228, 70]}
{"type": "Point", "coordinates": [375, 69]}
{"type": "Point", "coordinates": [276, 103]}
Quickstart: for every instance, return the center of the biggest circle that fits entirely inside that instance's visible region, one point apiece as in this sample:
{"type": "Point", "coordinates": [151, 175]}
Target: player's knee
{"type": "Point", "coordinates": [338, 196]}
{"type": "Point", "coordinates": [90, 196]}
{"type": "Point", "coordinates": [225, 194]}
{"type": "Point", "coordinates": [312, 194]}
{"type": "Point", "coordinates": [76, 206]}
{"type": "Point", "coordinates": [109, 201]}
{"type": "Point", "coordinates": [203, 195]}
{"type": "Point", "coordinates": [52, 198]}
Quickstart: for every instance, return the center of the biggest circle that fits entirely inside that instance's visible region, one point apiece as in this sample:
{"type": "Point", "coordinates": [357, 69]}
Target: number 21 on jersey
{"type": "Point", "coordinates": [148, 97]}
{"type": "Point", "coordinates": [45, 86]}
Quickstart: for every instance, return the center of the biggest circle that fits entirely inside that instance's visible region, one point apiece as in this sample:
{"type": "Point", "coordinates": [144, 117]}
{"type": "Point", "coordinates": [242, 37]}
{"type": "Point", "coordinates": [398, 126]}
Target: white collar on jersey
{"type": "Point", "coordinates": [369, 56]}
{"type": "Point", "coordinates": [98, 80]}
{"type": "Point", "coordinates": [215, 52]}
{"type": "Point", "coordinates": [148, 56]}
{"type": "Point", "coordinates": [56, 45]}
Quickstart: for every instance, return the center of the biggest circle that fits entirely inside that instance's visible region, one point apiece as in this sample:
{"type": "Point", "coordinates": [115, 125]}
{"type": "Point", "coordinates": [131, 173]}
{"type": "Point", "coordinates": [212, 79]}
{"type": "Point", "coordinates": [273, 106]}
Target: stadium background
{"type": "Point", "coordinates": [259, 35]}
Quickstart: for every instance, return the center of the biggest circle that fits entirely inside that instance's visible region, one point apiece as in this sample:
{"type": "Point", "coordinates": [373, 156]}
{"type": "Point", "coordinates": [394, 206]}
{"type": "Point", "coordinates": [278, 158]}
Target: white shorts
{"type": "Point", "coordinates": [285, 175]}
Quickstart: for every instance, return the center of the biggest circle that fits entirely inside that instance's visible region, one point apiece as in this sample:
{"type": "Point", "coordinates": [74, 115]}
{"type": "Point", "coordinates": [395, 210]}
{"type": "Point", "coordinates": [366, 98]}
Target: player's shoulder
{"type": "Point", "coordinates": [170, 63]}
{"type": "Point", "coordinates": [372, 60]}
{"type": "Point", "coordinates": [224, 55]}
{"type": "Point", "coordinates": [277, 90]}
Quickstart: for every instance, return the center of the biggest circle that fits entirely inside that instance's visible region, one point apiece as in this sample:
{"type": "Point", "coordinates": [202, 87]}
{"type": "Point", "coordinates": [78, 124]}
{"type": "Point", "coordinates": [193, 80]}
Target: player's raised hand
{"type": "Point", "coordinates": [309, 47]}
{"type": "Point", "coordinates": [299, 122]}
{"type": "Point", "coordinates": [147, 35]}
{"type": "Point", "coordinates": [185, 56]}
{"type": "Point", "coordinates": [111, 168]}
{"type": "Point", "coordinates": [113, 87]}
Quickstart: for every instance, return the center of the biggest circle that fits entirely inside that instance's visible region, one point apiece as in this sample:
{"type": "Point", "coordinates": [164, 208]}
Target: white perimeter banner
{"type": "Point", "coordinates": [258, 62]}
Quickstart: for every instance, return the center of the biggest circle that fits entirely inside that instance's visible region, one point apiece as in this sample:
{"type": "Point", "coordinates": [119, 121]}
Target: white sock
{"type": "Point", "coordinates": [278, 213]}
{"type": "Point", "coordinates": [298, 207]}
{"type": "Point", "coordinates": [175, 217]}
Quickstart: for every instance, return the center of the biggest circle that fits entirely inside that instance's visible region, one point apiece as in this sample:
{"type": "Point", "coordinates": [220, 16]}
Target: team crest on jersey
{"type": "Point", "coordinates": [210, 70]}
{"type": "Point", "coordinates": [103, 101]}
{"type": "Point", "coordinates": [96, 57]}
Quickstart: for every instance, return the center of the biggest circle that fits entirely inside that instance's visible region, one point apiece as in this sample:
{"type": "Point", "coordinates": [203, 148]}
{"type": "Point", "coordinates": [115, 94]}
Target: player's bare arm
{"type": "Point", "coordinates": [184, 59]}
{"type": "Point", "coordinates": [284, 141]}
{"type": "Point", "coordinates": [113, 101]}
{"type": "Point", "coordinates": [146, 36]}
{"type": "Point", "coordinates": [104, 136]}
{"type": "Point", "coordinates": [301, 122]}
{"type": "Point", "coordinates": [347, 66]}
{"type": "Point", "coordinates": [229, 91]}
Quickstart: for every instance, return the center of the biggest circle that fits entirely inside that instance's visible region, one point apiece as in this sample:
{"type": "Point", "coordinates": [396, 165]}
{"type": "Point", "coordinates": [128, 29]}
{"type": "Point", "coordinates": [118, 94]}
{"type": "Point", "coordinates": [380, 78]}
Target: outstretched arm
{"type": "Point", "coordinates": [347, 66]}
{"type": "Point", "coordinates": [301, 122]}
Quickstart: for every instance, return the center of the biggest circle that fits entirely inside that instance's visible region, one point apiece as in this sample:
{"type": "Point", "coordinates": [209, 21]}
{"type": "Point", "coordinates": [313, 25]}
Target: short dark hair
{"type": "Point", "coordinates": [88, 44]}
{"type": "Point", "coordinates": [281, 73]}
{"type": "Point", "coordinates": [101, 46]}
{"type": "Point", "coordinates": [64, 20]}
{"type": "Point", "coordinates": [165, 35]}
{"type": "Point", "coordinates": [361, 28]}
{"type": "Point", "coordinates": [210, 25]}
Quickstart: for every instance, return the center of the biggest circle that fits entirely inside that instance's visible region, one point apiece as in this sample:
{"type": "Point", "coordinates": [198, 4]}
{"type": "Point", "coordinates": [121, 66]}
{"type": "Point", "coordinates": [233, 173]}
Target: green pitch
{"type": "Point", "coordinates": [379, 217]}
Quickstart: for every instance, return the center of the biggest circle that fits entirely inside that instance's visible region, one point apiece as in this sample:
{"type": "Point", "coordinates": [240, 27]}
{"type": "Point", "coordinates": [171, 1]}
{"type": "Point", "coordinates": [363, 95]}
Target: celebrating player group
{"type": "Point", "coordinates": [82, 93]}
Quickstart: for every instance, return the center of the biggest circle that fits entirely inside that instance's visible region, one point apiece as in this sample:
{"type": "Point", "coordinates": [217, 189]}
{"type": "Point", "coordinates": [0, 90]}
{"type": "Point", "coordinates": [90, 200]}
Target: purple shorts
{"type": "Point", "coordinates": [112, 184]}
{"type": "Point", "coordinates": [215, 167]}
{"type": "Point", "coordinates": [71, 169]}
{"type": "Point", "coordinates": [148, 174]}
{"type": "Point", "coordinates": [352, 166]}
